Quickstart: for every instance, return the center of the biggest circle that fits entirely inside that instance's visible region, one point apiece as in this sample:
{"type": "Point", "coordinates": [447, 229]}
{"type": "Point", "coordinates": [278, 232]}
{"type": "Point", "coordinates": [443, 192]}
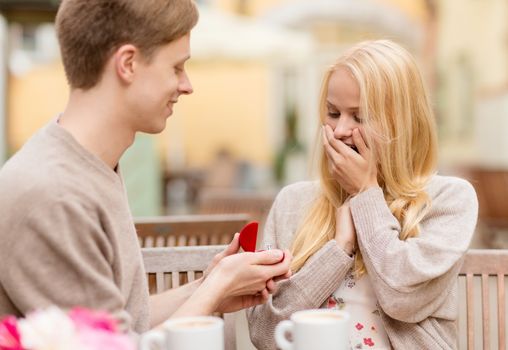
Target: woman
{"type": "Point", "coordinates": [381, 235]}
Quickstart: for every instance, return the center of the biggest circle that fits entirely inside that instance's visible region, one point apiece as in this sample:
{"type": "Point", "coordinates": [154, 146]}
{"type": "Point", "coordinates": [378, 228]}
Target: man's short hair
{"type": "Point", "coordinates": [89, 32]}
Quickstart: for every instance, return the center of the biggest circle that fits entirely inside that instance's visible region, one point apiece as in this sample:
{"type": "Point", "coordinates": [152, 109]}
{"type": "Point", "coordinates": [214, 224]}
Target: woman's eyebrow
{"type": "Point", "coordinates": [350, 109]}
{"type": "Point", "coordinates": [330, 105]}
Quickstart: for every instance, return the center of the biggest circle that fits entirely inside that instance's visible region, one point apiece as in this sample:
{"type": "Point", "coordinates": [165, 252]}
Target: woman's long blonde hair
{"type": "Point", "coordinates": [401, 133]}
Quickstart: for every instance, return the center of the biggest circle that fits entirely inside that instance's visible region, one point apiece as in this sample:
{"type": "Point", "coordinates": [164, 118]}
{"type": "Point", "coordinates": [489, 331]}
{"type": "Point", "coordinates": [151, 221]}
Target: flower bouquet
{"type": "Point", "coordinates": [53, 329]}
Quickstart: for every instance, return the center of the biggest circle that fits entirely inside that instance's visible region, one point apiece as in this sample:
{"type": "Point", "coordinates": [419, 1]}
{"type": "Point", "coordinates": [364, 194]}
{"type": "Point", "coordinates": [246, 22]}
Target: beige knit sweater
{"type": "Point", "coordinates": [66, 232]}
{"type": "Point", "coordinates": [414, 280]}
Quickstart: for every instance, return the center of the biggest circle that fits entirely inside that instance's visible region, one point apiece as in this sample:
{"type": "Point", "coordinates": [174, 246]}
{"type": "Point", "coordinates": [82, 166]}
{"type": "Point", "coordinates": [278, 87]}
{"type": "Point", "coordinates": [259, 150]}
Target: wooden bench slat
{"type": "Point", "coordinates": [171, 263]}
{"type": "Point", "coordinates": [179, 258]}
{"type": "Point", "coordinates": [485, 264]}
{"type": "Point", "coordinates": [159, 278]}
{"type": "Point", "coordinates": [501, 311]}
{"type": "Point", "coordinates": [489, 261]}
{"type": "Point", "coordinates": [191, 276]}
{"type": "Point", "coordinates": [175, 279]}
{"type": "Point", "coordinates": [485, 311]}
{"type": "Point", "coordinates": [185, 230]}
{"type": "Point", "coordinates": [470, 310]}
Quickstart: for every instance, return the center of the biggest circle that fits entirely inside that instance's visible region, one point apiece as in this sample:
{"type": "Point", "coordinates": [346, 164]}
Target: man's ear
{"type": "Point", "coordinates": [125, 61]}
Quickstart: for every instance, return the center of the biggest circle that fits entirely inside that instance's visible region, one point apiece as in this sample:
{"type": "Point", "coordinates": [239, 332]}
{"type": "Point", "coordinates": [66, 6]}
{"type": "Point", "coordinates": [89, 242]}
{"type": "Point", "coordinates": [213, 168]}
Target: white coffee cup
{"type": "Point", "coordinates": [187, 333]}
{"type": "Point", "coordinates": [319, 329]}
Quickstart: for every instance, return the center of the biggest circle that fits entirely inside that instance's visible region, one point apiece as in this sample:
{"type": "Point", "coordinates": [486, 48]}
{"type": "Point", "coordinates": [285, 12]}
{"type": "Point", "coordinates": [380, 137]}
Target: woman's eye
{"type": "Point", "coordinates": [357, 118]}
{"type": "Point", "coordinates": [333, 114]}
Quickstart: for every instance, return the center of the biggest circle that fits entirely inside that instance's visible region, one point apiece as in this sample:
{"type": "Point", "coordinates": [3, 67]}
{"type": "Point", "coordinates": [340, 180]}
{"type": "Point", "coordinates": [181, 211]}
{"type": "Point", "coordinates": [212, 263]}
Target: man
{"type": "Point", "coordinates": [67, 234]}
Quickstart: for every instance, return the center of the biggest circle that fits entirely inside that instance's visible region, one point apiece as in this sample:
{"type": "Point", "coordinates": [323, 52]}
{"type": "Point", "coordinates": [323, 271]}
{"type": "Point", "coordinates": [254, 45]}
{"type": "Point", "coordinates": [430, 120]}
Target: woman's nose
{"type": "Point", "coordinates": [343, 128]}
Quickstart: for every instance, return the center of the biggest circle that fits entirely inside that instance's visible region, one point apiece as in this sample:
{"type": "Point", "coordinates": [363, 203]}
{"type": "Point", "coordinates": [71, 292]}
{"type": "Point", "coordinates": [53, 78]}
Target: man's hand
{"type": "Point", "coordinates": [236, 303]}
{"type": "Point", "coordinates": [241, 302]}
{"type": "Point", "coordinates": [231, 249]}
{"type": "Point", "coordinates": [236, 281]}
{"type": "Point", "coordinates": [252, 277]}
{"type": "Point", "coordinates": [247, 274]}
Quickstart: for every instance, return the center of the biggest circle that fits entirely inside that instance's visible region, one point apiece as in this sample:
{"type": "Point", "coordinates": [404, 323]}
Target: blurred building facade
{"type": "Point", "coordinates": [257, 68]}
{"type": "Point", "coordinates": [472, 81]}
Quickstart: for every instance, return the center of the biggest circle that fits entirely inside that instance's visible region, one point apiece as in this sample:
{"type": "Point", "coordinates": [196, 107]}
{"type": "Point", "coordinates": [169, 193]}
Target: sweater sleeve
{"type": "Point", "coordinates": [307, 289]}
{"type": "Point", "coordinates": [412, 278]}
{"type": "Point", "coordinates": [61, 256]}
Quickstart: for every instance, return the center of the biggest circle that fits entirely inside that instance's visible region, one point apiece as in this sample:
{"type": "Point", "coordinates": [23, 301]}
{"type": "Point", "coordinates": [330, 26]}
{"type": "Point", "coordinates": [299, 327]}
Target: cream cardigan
{"type": "Point", "coordinates": [414, 280]}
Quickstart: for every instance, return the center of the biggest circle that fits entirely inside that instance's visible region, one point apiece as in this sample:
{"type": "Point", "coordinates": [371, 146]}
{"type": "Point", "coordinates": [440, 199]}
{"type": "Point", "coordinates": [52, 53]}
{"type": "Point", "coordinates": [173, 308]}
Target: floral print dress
{"type": "Point", "coordinates": [357, 297]}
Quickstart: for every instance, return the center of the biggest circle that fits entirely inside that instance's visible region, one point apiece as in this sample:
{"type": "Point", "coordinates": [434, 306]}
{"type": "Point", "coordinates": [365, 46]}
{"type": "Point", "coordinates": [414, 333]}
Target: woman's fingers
{"type": "Point", "coordinates": [339, 146]}
{"type": "Point", "coordinates": [360, 144]}
{"type": "Point", "coordinates": [331, 152]}
{"type": "Point", "coordinates": [271, 286]}
{"type": "Point", "coordinates": [265, 294]}
{"type": "Point", "coordinates": [337, 149]}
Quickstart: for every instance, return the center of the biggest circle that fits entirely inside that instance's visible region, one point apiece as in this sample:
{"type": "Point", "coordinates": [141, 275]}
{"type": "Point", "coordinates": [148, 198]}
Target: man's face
{"type": "Point", "coordinates": [158, 84]}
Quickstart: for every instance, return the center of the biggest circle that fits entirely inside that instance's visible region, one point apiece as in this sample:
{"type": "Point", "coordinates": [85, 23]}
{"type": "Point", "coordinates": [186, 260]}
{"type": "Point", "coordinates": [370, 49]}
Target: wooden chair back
{"type": "Point", "coordinates": [188, 230]}
{"type": "Point", "coordinates": [255, 204]}
{"type": "Point", "coordinates": [483, 270]}
{"type": "Point", "coordinates": [171, 267]}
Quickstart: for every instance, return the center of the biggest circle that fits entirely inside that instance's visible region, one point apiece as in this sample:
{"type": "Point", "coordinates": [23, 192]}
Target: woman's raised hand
{"type": "Point", "coordinates": [345, 233]}
{"type": "Point", "coordinates": [354, 171]}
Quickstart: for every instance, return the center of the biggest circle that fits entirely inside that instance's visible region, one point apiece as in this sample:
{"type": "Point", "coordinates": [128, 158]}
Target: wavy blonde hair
{"type": "Point", "coordinates": [401, 132]}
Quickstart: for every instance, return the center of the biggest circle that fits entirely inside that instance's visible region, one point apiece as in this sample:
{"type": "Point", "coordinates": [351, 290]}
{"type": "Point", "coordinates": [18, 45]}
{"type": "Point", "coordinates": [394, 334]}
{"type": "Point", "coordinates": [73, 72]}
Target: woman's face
{"type": "Point", "coordinates": [342, 103]}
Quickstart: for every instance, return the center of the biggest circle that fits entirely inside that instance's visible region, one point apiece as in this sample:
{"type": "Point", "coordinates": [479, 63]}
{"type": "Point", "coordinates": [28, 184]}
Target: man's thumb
{"type": "Point", "coordinates": [233, 246]}
{"type": "Point", "coordinates": [269, 257]}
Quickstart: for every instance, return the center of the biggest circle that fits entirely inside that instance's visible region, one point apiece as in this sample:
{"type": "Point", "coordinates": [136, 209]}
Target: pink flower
{"type": "Point", "coordinates": [9, 334]}
{"type": "Point", "coordinates": [96, 339]}
{"type": "Point", "coordinates": [98, 330]}
{"type": "Point", "coordinates": [53, 329]}
{"type": "Point", "coordinates": [359, 326]}
{"type": "Point", "coordinates": [84, 318]}
{"type": "Point", "coordinates": [48, 329]}
{"type": "Point", "coordinates": [368, 341]}
{"type": "Point", "coordinates": [331, 302]}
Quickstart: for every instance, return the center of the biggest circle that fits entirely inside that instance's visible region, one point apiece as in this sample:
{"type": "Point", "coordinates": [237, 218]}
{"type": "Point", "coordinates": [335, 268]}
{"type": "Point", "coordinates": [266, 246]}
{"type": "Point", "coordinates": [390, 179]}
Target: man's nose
{"type": "Point", "coordinates": [185, 86]}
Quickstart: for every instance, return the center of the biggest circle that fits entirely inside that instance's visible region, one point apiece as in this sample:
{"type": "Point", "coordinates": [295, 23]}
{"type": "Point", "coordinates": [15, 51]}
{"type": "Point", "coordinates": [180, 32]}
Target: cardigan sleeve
{"type": "Point", "coordinates": [411, 278]}
{"type": "Point", "coordinates": [308, 288]}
